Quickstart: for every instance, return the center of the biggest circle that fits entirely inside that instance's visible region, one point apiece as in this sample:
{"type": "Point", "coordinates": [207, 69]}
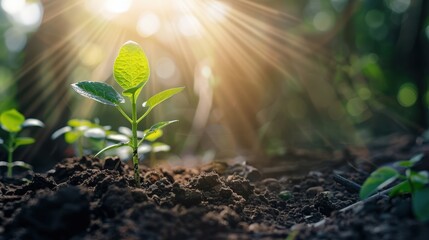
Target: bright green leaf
{"type": "Point", "coordinates": [72, 136]}
{"type": "Point", "coordinates": [379, 179]}
{"type": "Point", "coordinates": [154, 135]}
{"type": "Point", "coordinates": [420, 200]}
{"type": "Point", "coordinates": [161, 97]}
{"type": "Point", "coordinates": [12, 120]}
{"type": "Point", "coordinates": [131, 68]}
{"type": "Point", "coordinates": [134, 90]}
{"type": "Point", "coordinates": [98, 91]}
{"type": "Point", "coordinates": [24, 141]}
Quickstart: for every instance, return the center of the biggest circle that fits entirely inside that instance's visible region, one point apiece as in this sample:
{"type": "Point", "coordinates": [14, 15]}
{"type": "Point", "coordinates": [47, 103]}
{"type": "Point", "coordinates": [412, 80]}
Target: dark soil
{"type": "Point", "coordinates": [98, 199]}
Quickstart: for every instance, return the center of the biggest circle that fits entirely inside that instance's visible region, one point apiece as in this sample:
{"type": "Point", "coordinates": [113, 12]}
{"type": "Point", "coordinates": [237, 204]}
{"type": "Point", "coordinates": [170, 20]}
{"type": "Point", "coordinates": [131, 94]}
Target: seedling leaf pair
{"type": "Point", "coordinates": [414, 183]}
{"type": "Point", "coordinates": [13, 122]}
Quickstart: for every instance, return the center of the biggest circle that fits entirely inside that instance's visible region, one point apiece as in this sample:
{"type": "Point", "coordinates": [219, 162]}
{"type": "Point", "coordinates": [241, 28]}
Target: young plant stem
{"type": "Point", "coordinates": [135, 141]}
{"type": "Point", "coordinates": [10, 150]}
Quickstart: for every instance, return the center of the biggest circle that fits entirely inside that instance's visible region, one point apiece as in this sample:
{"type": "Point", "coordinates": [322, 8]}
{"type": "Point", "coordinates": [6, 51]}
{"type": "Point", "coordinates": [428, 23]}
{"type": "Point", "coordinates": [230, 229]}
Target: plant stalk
{"type": "Point", "coordinates": [10, 150]}
{"type": "Point", "coordinates": [135, 142]}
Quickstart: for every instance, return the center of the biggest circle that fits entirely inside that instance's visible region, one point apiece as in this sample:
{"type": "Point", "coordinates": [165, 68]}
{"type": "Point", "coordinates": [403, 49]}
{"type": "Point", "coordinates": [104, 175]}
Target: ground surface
{"type": "Point", "coordinates": [97, 199]}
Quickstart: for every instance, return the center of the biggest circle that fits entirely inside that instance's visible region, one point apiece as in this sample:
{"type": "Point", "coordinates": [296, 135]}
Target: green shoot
{"type": "Point", "coordinates": [13, 122]}
{"type": "Point", "coordinates": [414, 183]}
{"type": "Point", "coordinates": [131, 71]}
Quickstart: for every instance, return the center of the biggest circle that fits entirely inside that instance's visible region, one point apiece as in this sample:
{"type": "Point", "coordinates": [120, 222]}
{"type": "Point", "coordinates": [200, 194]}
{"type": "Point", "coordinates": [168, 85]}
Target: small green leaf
{"type": "Point", "coordinates": [420, 201]}
{"type": "Point", "coordinates": [32, 122]}
{"type": "Point", "coordinates": [400, 188]}
{"type": "Point", "coordinates": [154, 135]}
{"type": "Point", "coordinates": [60, 132]}
{"type": "Point", "coordinates": [378, 180]}
{"type": "Point", "coordinates": [12, 120]}
{"type": "Point", "coordinates": [24, 141]}
{"type": "Point", "coordinates": [72, 136]}
{"type": "Point", "coordinates": [100, 92]}
{"type": "Point", "coordinates": [154, 128]}
{"type": "Point", "coordinates": [111, 147]}
{"type": "Point", "coordinates": [161, 97]}
{"type": "Point", "coordinates": [79, 123]}
{"type": "Point", "coordinates": [131, 68]}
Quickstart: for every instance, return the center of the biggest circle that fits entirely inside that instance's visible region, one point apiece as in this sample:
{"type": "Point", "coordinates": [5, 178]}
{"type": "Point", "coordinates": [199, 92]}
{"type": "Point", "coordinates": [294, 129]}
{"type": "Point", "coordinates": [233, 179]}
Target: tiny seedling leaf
{"type": "Point", "coordinates": [79, 123]}
{"type": "Point", "coordinates": [60, 132]}
{"type": "Point", "coordinates": [98, 91]}
{"type": "Point", "coordinates": [378, 180]}
{"type": "Point", "coordinates": [111, 147]}
{"type": "Point", "coordinates": [161, 97]}
{"type": "Point", "coordinates": [24, 141]}
{"type": "Point", "coordinates": [153, 136]}
{"type": "Point", "coordinates": [400, 188]}
{"type": "Point", "coordinates": [22, 164]}
{"type": "Point", "coordinates": [32, 122]}
{"type": "Point", "coordinates": [131, 68]}
{"type": "Point", "coordinates": [160, 147]}
{"type": "Point", "coordinates": [72, 136]}
{"type": "Point", "coordinates": [96, 133]}
{"type": "Point", "coordinates": [154, 128]}
{"type": "Point", "coordinates": [420, 202]}
{"type": "Point", "coordinates": [12, 120]}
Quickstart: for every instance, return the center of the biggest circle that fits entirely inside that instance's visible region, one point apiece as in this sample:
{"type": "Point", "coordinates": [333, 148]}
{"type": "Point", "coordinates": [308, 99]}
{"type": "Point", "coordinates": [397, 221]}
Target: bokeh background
{"type": "Point", "coordinates": [261, 77]}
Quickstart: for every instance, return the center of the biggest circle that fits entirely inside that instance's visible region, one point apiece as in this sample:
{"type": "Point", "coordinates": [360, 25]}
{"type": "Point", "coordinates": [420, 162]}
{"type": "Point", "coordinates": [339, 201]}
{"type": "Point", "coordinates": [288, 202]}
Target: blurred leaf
{"type": "Point", "coordinates": [131, 68]}
{"type": "Point", "coordinates": [97, 133]}
{"type": "Point", "coordinates": [72, 136]}
{"type": "Point", "coordinates": [22, 164]}
{"type": "Point", "coordinates": [401, 188]}
{"type": "Point", "coordinates": [61, 131]}
{"type": "Point", "coordinates": [100, 92]}
{"type": "Point", "coordinates": [12, 120]}
{"type": "Point", "coordinates": [160, 147]}
{"type": "Point", "coordinates": [79, 123]}
{"type": "Point", "coordinates": [21, 141]}
{"type": "Point", "coordinates": [111, 147]}
{"type": "Point", "coordinates": [420, 202]}
{"type": "Point", "coordinates": [378, 180]}
{"type": "Point", "coordinates": [32, 122]}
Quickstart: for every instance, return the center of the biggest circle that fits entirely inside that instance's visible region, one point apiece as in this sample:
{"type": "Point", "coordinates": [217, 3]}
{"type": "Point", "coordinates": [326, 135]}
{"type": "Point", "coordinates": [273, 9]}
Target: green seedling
{"type": "Point", "coordinates": [149, 146]}
{"type": "Point", "coordinates": [13, 122]}
{"type": "Point", "coordinates": [414, 183]}
{"type": "Point", "coordinates": [86, 135]}
{"type": "Point", "coordinates": [131, 71]}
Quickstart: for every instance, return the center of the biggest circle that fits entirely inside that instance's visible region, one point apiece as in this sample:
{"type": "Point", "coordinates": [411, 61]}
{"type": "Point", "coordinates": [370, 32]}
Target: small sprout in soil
{"type": "Point", "coordinates": [285, 195]}
{"type": "Point", "coordinates": [89, 137]}
{"type": "Point", "coordinates": [13, 122]}
{"type": "Point", "coordinates": [413, 182]}
{"type": "Point", "coordinates": [131, 71]}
